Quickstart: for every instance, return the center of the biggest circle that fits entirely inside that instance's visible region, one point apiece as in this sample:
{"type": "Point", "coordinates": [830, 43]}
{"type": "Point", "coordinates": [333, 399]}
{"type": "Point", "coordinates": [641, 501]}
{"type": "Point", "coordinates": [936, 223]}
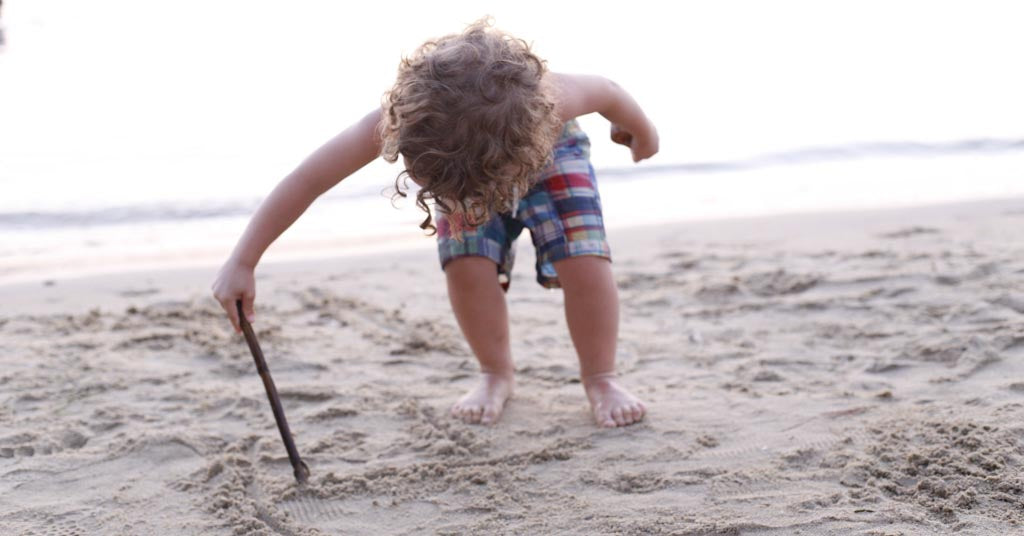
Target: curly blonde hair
{"type": "Point", "coordinates": [474, 121]}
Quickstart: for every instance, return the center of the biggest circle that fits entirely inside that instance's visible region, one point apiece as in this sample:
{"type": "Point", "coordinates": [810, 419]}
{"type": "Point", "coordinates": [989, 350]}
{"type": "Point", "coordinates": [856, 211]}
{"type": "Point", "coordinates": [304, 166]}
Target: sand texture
{"type": "Point", "coordinates": [819, 374]}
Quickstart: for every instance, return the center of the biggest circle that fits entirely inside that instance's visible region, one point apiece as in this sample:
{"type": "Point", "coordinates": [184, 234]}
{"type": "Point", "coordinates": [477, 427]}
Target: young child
{"type": "Point", "coordinates": [489, 134]}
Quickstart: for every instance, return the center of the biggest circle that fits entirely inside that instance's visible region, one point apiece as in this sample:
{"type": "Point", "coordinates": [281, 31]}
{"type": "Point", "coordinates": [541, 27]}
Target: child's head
{"type": "Point", "coordinates": [473, 120]}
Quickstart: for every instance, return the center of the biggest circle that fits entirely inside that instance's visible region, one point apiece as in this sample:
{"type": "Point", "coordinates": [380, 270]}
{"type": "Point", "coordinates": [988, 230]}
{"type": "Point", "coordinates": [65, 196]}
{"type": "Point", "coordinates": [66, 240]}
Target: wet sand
{"type": "Point", "coordinates": [855, 373]}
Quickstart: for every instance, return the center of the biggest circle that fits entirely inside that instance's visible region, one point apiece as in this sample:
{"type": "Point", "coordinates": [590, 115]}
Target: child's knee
{"type": "Point", "coordinates": [471, 271]}
{"type": "Point", "coordinates": [586, 272]}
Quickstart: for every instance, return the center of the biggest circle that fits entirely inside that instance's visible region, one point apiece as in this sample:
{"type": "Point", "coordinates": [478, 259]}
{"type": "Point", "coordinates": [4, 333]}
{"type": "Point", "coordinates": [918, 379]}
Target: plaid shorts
{"type": "Point", "coordinates": [562, 211]}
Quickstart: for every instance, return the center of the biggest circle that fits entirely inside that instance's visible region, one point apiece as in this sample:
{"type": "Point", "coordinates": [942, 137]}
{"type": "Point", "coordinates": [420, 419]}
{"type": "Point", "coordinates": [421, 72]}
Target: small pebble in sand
{"type": "Point", "coordinates": [72, 439]}
{"type": "Point", "coordinates": [767, 376]}
{"type": "Point", "coordinates": [706, 440]}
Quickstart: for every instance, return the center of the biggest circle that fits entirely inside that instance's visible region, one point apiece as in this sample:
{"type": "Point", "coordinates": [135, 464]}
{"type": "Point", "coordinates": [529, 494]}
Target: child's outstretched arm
{"type": "Point", "coordinates": [343, 155]}
{"type": "Point", "coordinates": [578, 95]}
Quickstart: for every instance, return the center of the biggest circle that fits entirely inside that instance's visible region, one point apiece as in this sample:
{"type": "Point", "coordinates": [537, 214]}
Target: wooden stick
{"type": "Point", "coordinates": [298, 466]}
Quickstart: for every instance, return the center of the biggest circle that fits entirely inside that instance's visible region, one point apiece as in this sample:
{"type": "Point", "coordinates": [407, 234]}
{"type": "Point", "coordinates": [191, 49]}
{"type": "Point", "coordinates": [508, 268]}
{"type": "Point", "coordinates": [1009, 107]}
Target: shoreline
{"type": "Point", "coordinates": [303, 257]}
{"type": "Point", "coordinates": [341, 226]}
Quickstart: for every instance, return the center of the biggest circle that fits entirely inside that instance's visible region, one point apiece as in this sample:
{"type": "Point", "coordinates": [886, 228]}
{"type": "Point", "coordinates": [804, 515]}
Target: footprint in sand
{"type": "Point", "coordinates": [26, 444]}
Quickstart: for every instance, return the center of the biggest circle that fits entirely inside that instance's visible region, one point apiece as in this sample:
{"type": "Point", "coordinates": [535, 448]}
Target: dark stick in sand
{"type": "Point", "coordinates": [299, 467]}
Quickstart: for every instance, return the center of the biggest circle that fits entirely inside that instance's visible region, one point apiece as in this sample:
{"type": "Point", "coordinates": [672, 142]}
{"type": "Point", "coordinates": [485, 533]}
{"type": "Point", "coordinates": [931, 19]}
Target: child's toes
{"type": "Point", "coordinates": [618, 417]}
{"type": "Point", "coordinates": [489, 415]}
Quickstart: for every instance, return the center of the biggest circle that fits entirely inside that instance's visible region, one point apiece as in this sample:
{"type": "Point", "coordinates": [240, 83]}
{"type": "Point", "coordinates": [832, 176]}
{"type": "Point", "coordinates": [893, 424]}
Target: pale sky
{"type": "Point", "coordinates": [130, 100]}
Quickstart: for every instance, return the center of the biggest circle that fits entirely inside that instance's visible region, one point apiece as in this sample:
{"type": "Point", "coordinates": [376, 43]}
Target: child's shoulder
{"type": "Point", "coordinates": [580, 94]}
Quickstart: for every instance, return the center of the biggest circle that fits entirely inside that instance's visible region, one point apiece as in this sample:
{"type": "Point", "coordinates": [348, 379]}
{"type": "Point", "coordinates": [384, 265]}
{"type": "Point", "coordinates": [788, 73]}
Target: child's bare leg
{"type": "Point", "coordinates": [592, 311]}
{"type": "Point", "coordinates": [480, 309]}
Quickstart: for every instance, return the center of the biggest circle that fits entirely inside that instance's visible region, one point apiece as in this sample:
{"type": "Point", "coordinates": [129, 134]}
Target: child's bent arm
{"type": "Point", "coordinates": [583, 94]}
{"type": "Point", "coordinates": [343, 155]}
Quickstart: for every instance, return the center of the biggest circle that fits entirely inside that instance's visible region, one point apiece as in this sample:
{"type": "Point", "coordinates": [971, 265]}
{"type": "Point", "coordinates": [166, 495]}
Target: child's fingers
{"type": "Point", "coordinates": [621, 136]}
{"type": "Point", "coordinates": [234, 321]}
{"type": "Point", "coordinates": [247, 306]}
{"type": "Point", "coordinates": [228, 304]}
{"type": "Point", "coordinates": [642, 153]}
{"type": "Point", "coordinates": [227, 293]}
{"type": "Point", "coordinates": [637, 156]}
{"type": "Point", "coordinates": [229, 307]}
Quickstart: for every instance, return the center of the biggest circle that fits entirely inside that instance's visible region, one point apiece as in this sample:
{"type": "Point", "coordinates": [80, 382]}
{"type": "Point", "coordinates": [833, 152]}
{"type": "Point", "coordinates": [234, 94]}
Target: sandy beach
{"type": "Point", "coordinates": [847, 373]}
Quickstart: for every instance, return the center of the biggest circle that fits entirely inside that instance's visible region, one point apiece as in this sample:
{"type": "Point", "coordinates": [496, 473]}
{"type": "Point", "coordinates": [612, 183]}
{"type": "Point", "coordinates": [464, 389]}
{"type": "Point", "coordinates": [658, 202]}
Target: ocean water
{"type": "Point", "coordinates": [47, 244]}
{"type": "Point", "coordinates": [136, 134]}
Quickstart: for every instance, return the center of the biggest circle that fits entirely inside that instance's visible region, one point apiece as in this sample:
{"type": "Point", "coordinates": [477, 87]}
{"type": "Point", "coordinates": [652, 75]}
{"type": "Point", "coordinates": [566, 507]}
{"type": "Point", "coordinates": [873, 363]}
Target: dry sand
{"type": "Point", "coordinates": [858, 373]}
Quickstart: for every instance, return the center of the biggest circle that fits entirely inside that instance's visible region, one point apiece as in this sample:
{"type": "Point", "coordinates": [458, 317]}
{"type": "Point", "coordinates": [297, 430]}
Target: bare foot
{"type": "Point", "coordinates": [484, 403]}
{"type": "Point", "coordinates": [612, 405]}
